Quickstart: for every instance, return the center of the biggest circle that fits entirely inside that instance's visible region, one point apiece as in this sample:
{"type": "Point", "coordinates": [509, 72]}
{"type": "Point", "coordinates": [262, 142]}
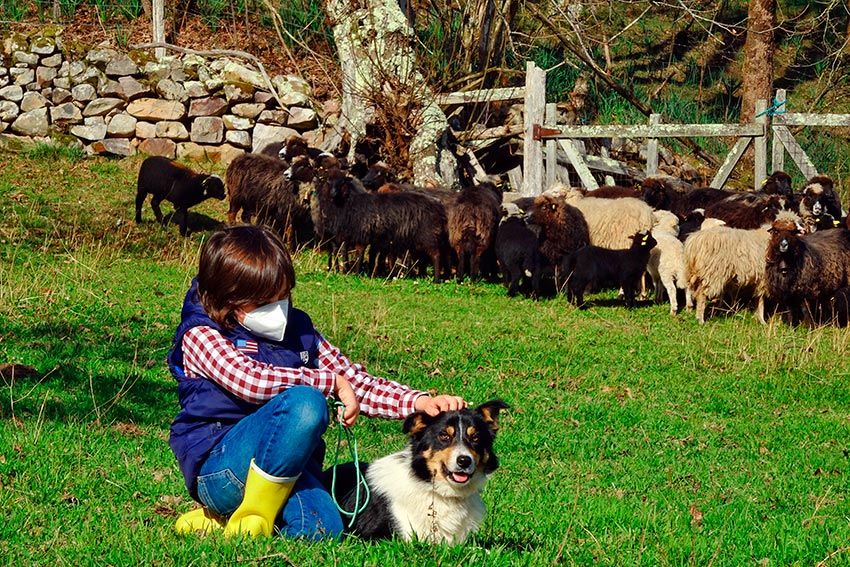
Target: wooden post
{"type": "Point", "coordinates": [535, 109]}
{"type": "Point", "coordinates": [652, 147]}
{"type": "Point", "coordinates": [159, 27]}
{"type": "Point", "coordinates": [760, 145]}
{"type": "Point", "coordinates": [778, 150]}
{"type": "Point", "coordinates": [551, 146]}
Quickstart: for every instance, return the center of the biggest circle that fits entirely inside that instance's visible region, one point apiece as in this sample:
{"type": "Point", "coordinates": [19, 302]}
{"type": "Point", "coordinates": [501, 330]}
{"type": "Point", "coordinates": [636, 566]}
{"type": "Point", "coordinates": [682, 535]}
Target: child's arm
{"type": "Point", "coordinates": [207, 353]}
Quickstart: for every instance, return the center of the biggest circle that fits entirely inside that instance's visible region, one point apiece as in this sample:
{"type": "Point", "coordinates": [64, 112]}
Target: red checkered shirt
{"type": "Point", "coordinates": [206, 353]}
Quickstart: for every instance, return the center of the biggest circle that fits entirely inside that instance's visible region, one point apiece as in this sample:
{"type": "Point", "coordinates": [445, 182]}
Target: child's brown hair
{"type": "Point", "coordinates": [242, 265]}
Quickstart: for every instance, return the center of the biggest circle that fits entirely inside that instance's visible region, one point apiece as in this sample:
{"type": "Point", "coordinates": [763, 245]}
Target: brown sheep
{"type": "Point", "coordinates": [563, 229]}
{"type": "Point", "coordinates": [472, 222]}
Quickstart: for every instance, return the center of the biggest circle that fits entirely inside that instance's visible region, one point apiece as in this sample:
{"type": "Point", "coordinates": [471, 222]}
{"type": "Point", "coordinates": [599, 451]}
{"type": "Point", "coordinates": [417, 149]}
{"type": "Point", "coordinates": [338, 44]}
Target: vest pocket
{"type": "Point", "coordinates": [220, 491]}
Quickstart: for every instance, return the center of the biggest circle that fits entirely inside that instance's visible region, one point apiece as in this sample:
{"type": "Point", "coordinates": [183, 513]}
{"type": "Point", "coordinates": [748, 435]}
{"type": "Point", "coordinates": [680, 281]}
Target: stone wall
{"type": "Point", "coordinates": [120, 103]}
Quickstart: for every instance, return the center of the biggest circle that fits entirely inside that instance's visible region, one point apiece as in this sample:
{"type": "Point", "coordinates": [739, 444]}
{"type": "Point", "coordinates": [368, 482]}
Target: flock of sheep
{"type": "Point", "coordinates": [786, 251]}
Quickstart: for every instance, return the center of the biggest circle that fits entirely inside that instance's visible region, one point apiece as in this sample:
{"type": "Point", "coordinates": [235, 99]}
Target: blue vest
{"type": "Point", "coordinates": [208, 410]}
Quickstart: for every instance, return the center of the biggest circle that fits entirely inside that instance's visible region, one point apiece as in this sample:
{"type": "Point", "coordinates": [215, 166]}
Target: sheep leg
{"type": "Point", "coordinates": [140, 200]}
{"type": "Point", "coordinates": [760, 310]}
{"type": "Point", "coordinates": [359, 252]}
{"type": "Point", "coordinates": [435, 259]}
{"type": "Point", "coordinates": [670, 288]}
{"type": "Point", "coordinates": [701, 301]}
{"type": "Point", "coordinates": [157, 212]}
{"type": "Point", "coordinates": [474, 263]}
{"type": "Point", "coordinates": [689, 299]}
{"type": "Point", "coordinates": [461, 261]}
{"type": "Point", "coordinates": [629, 294]}
{"type": "Point", "coordinates": [184, 218]}
{"type": "Point", "coordinates": [512, 281]}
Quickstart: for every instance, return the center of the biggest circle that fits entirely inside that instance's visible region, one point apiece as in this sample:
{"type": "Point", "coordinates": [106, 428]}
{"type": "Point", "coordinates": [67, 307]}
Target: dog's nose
{"type": "Point", "coordinates": [464, 461]}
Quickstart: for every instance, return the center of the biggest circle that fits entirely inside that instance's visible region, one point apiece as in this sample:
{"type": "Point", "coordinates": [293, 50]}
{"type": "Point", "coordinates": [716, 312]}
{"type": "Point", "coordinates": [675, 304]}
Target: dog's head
{"type": "Point", "coordinates": [454, 449]}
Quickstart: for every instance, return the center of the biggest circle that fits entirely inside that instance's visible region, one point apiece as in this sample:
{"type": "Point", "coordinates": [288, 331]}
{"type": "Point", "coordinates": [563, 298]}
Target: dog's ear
{"type": "Point", "coordinates": [416, 423]}
{"type": "Point", "coordinates": [489, 411]}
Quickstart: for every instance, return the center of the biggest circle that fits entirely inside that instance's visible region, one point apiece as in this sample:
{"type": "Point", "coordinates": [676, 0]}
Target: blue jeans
{"type": "Point", "coordinates": [281, 437]}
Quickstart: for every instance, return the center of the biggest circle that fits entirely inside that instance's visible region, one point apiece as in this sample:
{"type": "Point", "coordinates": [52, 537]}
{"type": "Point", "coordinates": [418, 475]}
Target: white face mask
{"type": "Point", "coordinates": [268, 321]}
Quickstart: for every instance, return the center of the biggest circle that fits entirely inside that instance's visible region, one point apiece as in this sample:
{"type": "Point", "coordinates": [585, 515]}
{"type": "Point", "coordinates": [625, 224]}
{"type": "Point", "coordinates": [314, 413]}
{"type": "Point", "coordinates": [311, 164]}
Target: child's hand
{"type": "Point", "coordinates": [345, 394]}
{"type": "Point", "coordinates": [437, 404]}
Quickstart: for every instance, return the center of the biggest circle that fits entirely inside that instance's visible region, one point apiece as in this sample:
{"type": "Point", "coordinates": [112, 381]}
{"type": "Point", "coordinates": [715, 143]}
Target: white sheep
{"type": "Point", "coordinates": [611, 222]}
{"type": "Point", "coordinates": [667, 260]}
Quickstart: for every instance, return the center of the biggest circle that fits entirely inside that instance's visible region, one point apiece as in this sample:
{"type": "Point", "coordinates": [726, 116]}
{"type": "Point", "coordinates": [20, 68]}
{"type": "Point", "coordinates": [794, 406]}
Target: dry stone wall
{"type": "Point", "coordinates": [120, 103]}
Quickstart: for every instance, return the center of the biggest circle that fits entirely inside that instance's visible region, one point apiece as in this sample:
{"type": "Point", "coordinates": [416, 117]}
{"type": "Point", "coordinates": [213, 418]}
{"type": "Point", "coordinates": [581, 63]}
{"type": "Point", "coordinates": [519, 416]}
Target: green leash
{"type": "Point", "coordinates": [361, 480]}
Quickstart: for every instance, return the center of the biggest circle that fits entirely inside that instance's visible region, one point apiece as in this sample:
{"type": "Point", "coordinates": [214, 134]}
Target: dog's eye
{"type": "Point", "coordinates": [444, 437]}
{"type": "Point", "coordinates": [475, 437]}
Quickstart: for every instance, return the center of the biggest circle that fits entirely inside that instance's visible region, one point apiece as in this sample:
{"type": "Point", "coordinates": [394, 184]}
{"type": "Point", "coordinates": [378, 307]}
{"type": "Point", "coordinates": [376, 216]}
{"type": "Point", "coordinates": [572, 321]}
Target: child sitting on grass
{"type": "Point", "coordinates": [253, 376]}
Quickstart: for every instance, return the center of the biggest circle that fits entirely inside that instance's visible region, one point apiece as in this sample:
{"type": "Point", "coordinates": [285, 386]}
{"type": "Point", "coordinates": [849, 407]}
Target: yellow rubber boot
{"type": "Point", "coordinates": [198, 520]}
{"type": "Point", "coordinates": [263, 499]}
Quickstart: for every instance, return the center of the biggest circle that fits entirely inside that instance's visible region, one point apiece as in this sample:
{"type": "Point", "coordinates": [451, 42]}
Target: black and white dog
{"type": "Point", "coordinates": [430, 491]}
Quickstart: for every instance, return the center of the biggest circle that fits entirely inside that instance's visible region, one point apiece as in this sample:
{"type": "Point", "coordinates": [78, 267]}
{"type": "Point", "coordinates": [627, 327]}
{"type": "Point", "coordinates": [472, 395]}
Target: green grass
{"type": "Point", "coordinates": [634, 437]}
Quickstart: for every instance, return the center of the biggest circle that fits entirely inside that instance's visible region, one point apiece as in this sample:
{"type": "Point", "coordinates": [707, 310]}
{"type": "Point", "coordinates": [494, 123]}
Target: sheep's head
{"type": "Point", "coordinates": [656, 193]}
{"type": "Point", "coordinates": [785, 233]}
{"type": "Point", "coordinates": [779, 183]}
{"type": "Point", "coordinates": [546, 211]}
{"type": "Point", "coordinates": [821, 185]}
{"type": "Point", "coordinates": [295, 146]}
{"type": "Point", "coordinates": [341, 188]}
{"type": "Point", "coordinates": [377, 175]}
{"type": "Point", "coordinates": [301, 170]}
{"type": "Point", "coordinates": [665, 222]}
{"type": "Point", "coordinates": [643, 240]}
{"type": "Point", "coordinates": [213, 187]}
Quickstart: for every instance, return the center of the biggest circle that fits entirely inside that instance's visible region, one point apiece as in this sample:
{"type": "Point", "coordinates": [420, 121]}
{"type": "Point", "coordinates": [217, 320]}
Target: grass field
{"type": "Point", "coordinates": [634, 437]}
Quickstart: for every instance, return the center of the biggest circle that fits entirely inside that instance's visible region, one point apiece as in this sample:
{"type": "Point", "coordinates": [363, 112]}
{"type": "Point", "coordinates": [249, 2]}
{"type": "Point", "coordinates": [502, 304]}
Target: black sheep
{"type": "Point", "coordinates": [168, 180]}
{"type": "Point", "coordinates": [518, 252]}
{"type": "Point", "coordinates": [472, 221]}
{"type": "Point", "coordinates": [603, 267]}
{"type": "Point", "coordinates": [659, 194]}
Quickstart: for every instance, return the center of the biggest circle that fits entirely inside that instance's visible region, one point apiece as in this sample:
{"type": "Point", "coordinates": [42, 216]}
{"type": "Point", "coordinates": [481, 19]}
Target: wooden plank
{"type": "Point", "coordinates": [608, 165]}
{"type": "Point", "coordinates": [795, 151]}
{"type": "Point", "coordinates": [730, 162]}
{"type": "Point", "coordinates": [777, 162]}
{"type": "Point", "coordinates": [578, 164]}
{"type": "Point", "coordinates": [158, 21]}
{"type": "Point", "coordinates": [804, 119]}
{"type": "Point", "coordinates": [551, 147]}
{"type": "Point", "coordinates": [515, 178]}
{"type": "Point", "coordinates": [652, 147]}
{"type": "Point", "coordinates": [760, 143]}
{"type": "Point", "coordinates": [484, 95]}
{"type": "Point", "coordinates": [535, 109]}
{"type": "Point", "coordinates": [660, 131]}
{"type": "Point", "coordinates": [490, 133]}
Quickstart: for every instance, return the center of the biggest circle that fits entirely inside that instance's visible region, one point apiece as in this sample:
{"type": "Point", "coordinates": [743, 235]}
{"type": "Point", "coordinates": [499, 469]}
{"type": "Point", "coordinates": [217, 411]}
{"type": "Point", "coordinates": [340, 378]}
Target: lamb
{"type": "Point", "coordinates": [563, 230]}
{"type": "Point", "coordinates": [518, 253]}
{"type": "Point", "coordinates": [390, 223]}
{"type": "Point", "coordinates": [803, 272]}
{"type": "Point", "coordinates": [666, 263]}
{"type": "Point", "coordinates": [168, 180]}
{"type": "Point", "coordinates": [660, 195]}
{"type": "Point", "coordinates": [603, 267]}
{"type": "Point", "coordinates": [722, 260]}
{"type": "Point", "coordinates": [611, 222]}
{"type": "Point", "coordinates": [259, 185]}
{"type": "Point", "coordinates": [472, 222]}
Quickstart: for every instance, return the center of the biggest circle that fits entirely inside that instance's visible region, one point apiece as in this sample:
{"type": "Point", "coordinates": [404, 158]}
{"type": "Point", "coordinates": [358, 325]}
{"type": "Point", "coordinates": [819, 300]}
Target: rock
{"type": "Point", "coordinates": [238, 93]}
{"type": "Point", "coordinates": [93, 128]}
{"type": "Point", "coordinates": [178, 74]}
{"type": "Point", "coordinates": [121, 66]}
{"type": "Point", "coordinates": [13, 92]}
{"type": "Point", "coordinates": [158, 147]}
{"type": "Point", "coordinates": [32, 100]}
{"type": "Point", "coordinates": [170, 90]}
{"type": "Point", "coordinates": [263, 97]}
{"type": "Point", "coordinates": [121, 125]}
{"type": "Point", "coordinates": [264, 135]}
{"type": "Point", "coordinates": [331, 106]}
{"type": "Point", "coordinates": [61, 96]}
{"type": "Point", "coordinates": [102, 106]}
{"type": "Point", "coordinates": [43, 45]}
{"type": "Point", "coordinates": [101, 55]}
{"type": "Point", "coordinates": [236, 122]}
{"type": "Point", "coordinates": [132, 88]}
{"type": "Point", "coordinates": [302, 118]}
{"type": "Point", "coordinates": [145, 130]}
{"type": "Point", "coordinates": [62, 83]}
{"type": "Point", "coordinates": [248, 110]}
{"type": "Point", "coordinates": [84, 92]}
{"type": "Point", "coordinates": [113, 146]}
{"type": "Point", "coordinates": [15, 42]}
{"type": "Point", "coordinates": [293, 91]}
{"type": "Point", "coordinates": [92, 76]}
{"type": "Point", "coordinates": [32, 123]}
{"type": "Point", "coordinates": [8, 110]}
{"type": "Point", "coordinates": [44, 76]}
{"type": "Point", "coordinates": [28, 59]}
{"type": "Point", "coordinates": [211, 106]}
{"type": "Point", "coordinates": [195, 89]}
{"type": "Point", "coordinates": [273, 117]}
{"type": "Point", "coordinates": [238, 138]}
{"type": "Point", "coordinates": [233, 72]}
{"type": "Point", "coordinates": [210, 81]}
{"type": "Point", "coordinates": [22, 76]}
{"type": "Point", "coordinates": [192, 62]}
{"type": "Point", "coordinates": [4, 81]}
{"type": "Point", "coordinates": [314, 138]}
{"type": "Point", "coordinates": [154, 109]}
{"type": "Point", "coordinates": [207, 130]}
{"type": "Point", "coordinates": [171, 130]}
{"type": "Point", "coordinates": [111, 89]}
{"type": "Point", "coordinates": [66, 112]}
{"type": "Point", "coordinates": [192, 151]}
{"type": "Point", "coordinates": [52, 61]}
{"type": "Point", "coordinates": [156, 71]}
{"type": "Point", "coordinates": [3, 71]}
{"type": "Point", "coordinates": [3, 126]}
{"type": "Point", "coordinates": [75, 68]}
{"type": "Point", "coordinates": [223, 154]}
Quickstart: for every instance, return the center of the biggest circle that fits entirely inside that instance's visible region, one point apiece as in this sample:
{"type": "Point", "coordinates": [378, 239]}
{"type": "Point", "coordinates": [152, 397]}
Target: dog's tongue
{"type": "Point", "coordinates": [460, 477]}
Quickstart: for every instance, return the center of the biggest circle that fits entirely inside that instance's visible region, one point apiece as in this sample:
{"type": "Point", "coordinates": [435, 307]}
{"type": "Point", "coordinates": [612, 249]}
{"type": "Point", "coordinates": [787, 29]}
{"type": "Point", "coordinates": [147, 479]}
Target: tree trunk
{"type": "Point", "coordinates": [758, 56]}
{"type": "Point", "coordinates": [381, 85]}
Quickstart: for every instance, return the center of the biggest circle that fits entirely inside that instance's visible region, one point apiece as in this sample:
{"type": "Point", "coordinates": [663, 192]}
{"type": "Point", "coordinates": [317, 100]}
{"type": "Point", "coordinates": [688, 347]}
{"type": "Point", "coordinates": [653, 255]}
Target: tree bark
{"type": "Point", "coordinates": [380, 78]}
{"type": "Point", "coordinates": [758, 56]}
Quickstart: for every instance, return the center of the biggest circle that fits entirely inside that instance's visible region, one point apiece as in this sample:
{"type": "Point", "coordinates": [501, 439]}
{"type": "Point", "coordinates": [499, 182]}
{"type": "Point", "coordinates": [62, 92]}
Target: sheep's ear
{"type": "Point", "coordinates": [489, 411]}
